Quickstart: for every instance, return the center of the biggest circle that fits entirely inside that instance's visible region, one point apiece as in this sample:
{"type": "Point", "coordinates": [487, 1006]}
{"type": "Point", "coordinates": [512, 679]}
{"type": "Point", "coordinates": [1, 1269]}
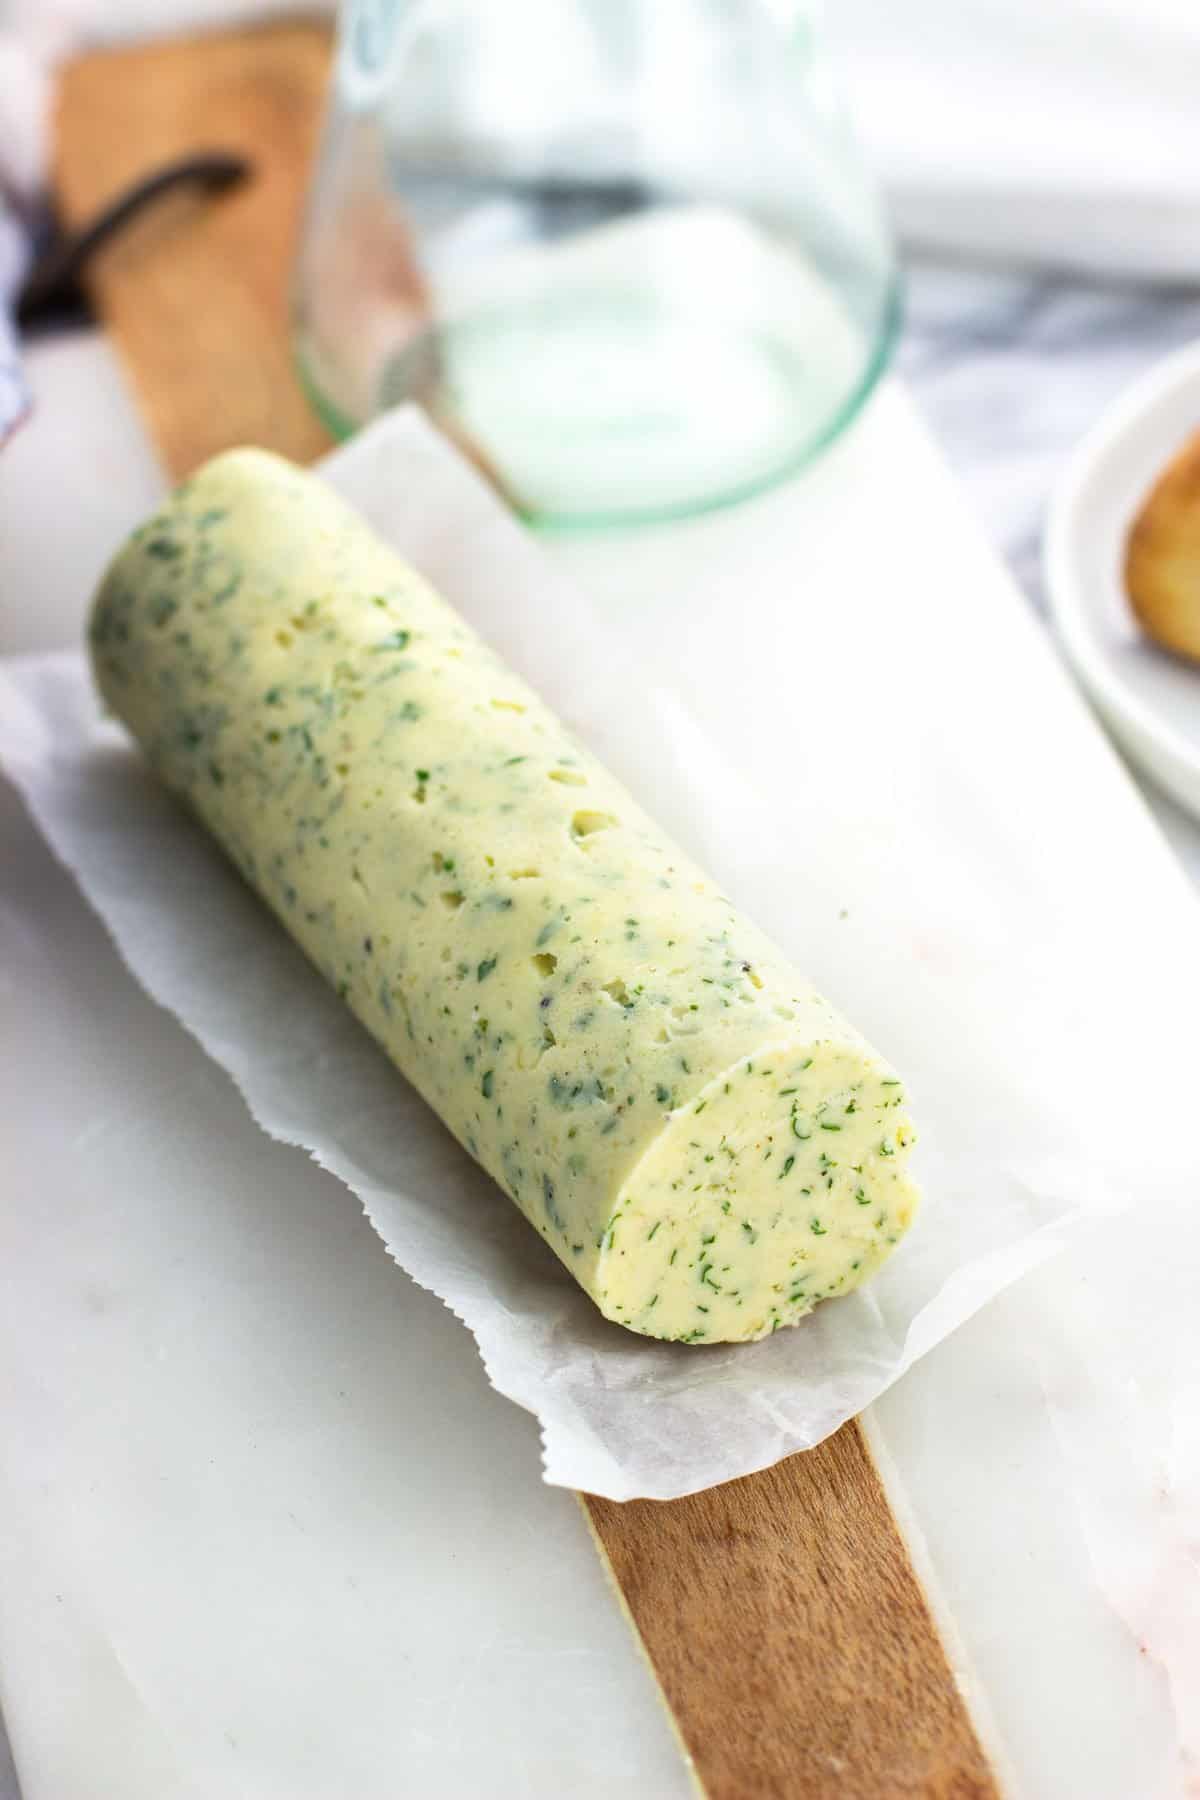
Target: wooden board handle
{"type": "Point", "coordinates": [197, 296]}
{"type": "Point", "coordinates": [788, 1631]}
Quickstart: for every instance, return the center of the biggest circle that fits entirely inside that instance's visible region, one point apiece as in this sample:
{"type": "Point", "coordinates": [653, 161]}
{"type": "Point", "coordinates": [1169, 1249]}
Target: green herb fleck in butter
{"type": "Point", "coordinates": [632, 1061]}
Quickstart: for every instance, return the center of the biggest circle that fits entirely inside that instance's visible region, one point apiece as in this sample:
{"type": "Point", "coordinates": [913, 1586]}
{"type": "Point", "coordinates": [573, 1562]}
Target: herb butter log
{"type": "Point", "coordinates": [707, 1146]}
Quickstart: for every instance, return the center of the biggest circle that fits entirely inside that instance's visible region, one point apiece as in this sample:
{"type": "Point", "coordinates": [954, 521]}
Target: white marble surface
{"type": "Point", "coordinates": [1011, 369]}
{"type": "Point", "coordinates": [1010, 372]}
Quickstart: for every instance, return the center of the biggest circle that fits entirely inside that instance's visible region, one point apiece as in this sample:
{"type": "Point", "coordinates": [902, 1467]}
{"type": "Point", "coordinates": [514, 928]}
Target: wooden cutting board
{"type": "Point", "coordinates": [781, 1613]}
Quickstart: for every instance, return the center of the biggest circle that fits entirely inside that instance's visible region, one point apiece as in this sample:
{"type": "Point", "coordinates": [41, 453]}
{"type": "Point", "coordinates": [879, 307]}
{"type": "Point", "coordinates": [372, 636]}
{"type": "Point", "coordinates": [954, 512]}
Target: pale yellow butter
{"type": "Point", "coordinates": [708, 1147]}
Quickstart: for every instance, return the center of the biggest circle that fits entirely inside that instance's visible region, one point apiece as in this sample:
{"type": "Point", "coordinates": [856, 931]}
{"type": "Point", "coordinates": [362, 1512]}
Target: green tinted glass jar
{"type": "Point", "coordinates": [624, 251]}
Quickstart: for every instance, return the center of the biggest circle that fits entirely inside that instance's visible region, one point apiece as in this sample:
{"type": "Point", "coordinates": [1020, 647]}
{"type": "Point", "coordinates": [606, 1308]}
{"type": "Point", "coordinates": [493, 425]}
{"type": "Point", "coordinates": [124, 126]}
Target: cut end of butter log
{"type": "Point", "coordinates": [694, 1131]}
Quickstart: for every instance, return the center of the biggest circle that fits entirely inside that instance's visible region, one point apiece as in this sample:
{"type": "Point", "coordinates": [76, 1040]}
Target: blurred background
{"type": "Point", "coordinates": [1036, 164]}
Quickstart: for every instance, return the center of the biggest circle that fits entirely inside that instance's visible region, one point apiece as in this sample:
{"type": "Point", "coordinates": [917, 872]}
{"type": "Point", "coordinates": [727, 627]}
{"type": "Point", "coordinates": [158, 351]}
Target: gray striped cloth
{"type": "Point", "coordinates": [14, 257]}
{"type": "Point", "coordinates": [29, 42]}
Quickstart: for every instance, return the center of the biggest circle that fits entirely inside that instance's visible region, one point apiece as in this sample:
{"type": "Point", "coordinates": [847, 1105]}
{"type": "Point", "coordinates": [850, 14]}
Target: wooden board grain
{"type": "Point", "coordinates": [781, 1614]}
{"type": "Point", "coordinates": [196, 298]}
{"type": "Point", "coordinates": [791, 1638]}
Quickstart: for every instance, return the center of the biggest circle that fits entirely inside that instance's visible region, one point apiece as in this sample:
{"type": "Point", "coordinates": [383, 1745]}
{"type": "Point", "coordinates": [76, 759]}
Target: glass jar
{"type": "Point", "coordinates": [623, 251]}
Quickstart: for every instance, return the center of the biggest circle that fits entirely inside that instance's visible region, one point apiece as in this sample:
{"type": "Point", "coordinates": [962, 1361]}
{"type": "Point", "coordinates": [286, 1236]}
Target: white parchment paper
{"type": "Point", "coordinates": [785, 750]}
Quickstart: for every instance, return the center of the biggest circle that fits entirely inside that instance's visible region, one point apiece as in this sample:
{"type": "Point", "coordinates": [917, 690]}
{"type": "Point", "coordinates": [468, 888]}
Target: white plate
{"type": "Point", "coordinates": [1149, 699]}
